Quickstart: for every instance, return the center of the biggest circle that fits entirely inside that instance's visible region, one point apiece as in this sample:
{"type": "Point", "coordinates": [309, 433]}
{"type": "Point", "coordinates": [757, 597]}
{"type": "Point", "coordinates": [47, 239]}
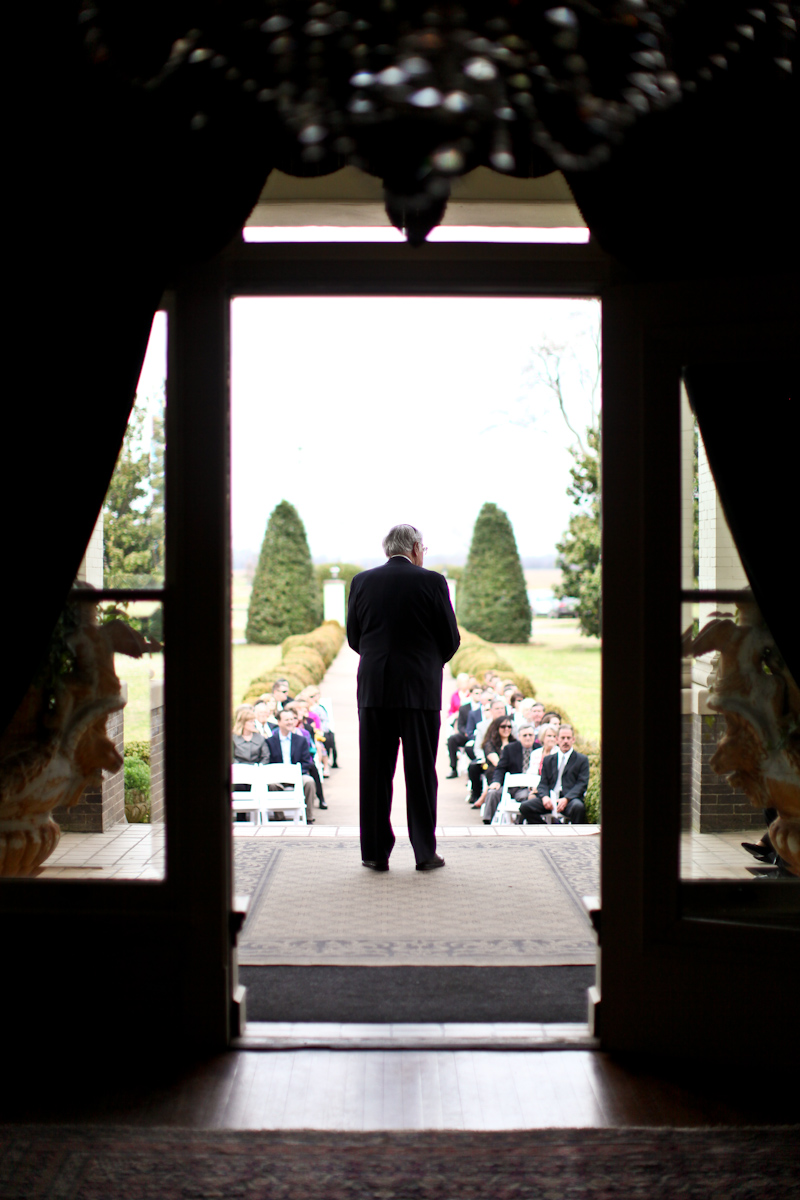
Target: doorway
{"type": "Point", "coordinates": [361, 411]}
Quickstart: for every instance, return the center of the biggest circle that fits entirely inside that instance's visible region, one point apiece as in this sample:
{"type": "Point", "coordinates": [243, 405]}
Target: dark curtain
{"type": "Point", "coordinates": [115, 196]}
{"type": "Point", "coordinates": [757, 477]}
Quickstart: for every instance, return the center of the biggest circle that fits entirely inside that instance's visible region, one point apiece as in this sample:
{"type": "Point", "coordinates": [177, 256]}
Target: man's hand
{"type": "Point", "coordinates": [494, 785]}
{"type": "Point", "coordinates": [562, 804]}
{"type": "Point", "coordinates": [548, 804]}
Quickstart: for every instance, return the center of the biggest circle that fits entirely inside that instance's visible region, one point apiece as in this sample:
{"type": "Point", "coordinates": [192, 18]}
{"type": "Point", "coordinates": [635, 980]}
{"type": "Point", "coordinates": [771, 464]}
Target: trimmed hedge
{"type": "Point", "coordinates": [305, 657]}
{"type": "Point", "coordinates": [136, 749]}
{"type": "Point", "coordinates": [492, 597]}
{"type": "Point", "coordinates": [285, 597]}
{"type": "Point", "coordinates": [475, 656]}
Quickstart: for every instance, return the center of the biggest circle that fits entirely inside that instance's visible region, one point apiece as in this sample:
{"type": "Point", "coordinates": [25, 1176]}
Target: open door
{"type": "Point", "coordinates": [692, 967]}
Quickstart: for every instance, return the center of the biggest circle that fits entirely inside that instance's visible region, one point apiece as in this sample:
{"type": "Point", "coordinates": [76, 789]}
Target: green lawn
{"type": "Point", "coordinates": [137, 673]}
{"type": "Point", "coordinates": [565, 669]}
{"type": "Point", "coordinates": [248, 663]}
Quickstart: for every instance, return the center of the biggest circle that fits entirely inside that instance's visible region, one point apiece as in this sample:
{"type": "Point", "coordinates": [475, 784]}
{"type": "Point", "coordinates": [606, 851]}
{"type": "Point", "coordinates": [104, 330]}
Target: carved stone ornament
{"type": "Point", "coordinates": [56, 744]}
{"type": "Point", "coordinates": [759, 752]}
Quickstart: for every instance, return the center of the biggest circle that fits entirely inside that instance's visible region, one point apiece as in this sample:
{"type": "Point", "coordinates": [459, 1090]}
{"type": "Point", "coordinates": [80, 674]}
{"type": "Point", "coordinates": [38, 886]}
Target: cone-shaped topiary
{"type": "Point", "coordinates": [285, 596]}
{"type": "Point", "coordinates": [492, 598]}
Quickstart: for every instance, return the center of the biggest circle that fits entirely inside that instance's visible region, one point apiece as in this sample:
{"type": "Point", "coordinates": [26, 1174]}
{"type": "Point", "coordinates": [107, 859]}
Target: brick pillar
{"type": "Point", "coordinates": [156, 752]}
{"type": "Point", "coordinates": [715, 806]}
{"type": "Point", "coordinates": [102, 807]}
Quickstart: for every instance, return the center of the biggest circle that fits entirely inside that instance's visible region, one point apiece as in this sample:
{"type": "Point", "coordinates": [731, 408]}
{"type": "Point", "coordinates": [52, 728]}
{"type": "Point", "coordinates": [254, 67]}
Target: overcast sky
{"type": "Point", "coordinates": [366, 412]}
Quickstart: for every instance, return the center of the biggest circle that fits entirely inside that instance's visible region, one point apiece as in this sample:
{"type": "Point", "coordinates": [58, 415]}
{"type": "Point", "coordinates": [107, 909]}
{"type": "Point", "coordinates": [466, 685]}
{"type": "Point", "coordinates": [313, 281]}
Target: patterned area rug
{"type": "Point", "coordinates": [63, 1163]}
{"type": "Point", "coordinates": [498, 902]}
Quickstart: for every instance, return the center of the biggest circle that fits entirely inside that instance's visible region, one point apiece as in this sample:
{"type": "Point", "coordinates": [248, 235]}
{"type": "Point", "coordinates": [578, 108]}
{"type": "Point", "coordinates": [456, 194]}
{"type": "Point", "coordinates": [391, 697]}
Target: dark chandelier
{"type": "Point", "coordinates": [418, 94]}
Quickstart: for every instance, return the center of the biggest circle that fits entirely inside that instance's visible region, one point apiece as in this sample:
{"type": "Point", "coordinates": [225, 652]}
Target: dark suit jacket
{"type": "Point", "coordinates": [574, 781]}
{"type": "Point", "coordinates": [510, 762]}
{"type": "Point", "coordinates": [473, 721]}
{"type": "Point", "coordinates": [464, 713]}
{"type": "Point", "coordinates": [300, 751]}
{"type": "Point", "coordinates": [400, 620]}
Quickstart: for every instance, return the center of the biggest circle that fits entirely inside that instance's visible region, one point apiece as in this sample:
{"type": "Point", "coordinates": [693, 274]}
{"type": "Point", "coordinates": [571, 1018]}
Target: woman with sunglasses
{"type": "Point", "coordinates": [496, 738]}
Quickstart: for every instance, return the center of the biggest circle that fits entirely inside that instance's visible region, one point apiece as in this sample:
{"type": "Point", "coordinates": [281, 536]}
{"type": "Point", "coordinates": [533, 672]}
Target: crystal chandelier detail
{"type": "Point", "coordinates": [421, 93]}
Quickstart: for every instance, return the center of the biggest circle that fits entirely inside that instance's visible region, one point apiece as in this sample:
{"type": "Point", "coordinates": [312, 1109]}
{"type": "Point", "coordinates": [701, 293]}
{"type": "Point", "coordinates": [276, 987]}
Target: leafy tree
{"type": "Point", "coordinates": [492, 598]}
{"type": "Point", "coordinates": [133, 511]}
{"type": "Point", "coordinates": [285, 598]}
{"type": "Point", "coordinates": [579, 548]}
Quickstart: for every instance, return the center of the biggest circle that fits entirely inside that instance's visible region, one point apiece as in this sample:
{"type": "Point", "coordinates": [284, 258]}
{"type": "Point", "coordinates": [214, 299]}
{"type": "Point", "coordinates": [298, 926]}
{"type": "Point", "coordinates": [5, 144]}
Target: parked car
{"type": "Point", "coordinates": [542, 601]}
{"type": "Point", "coordinates": [567, 606]}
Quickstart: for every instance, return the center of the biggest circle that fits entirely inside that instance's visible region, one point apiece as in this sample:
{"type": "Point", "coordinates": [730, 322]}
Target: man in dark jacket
{"type": "Point", "coordinates": [562, 785]}
{"type": "Point", "coordinates": [289, 747]}
{"type": "Point", "coordinates": [400, 620]}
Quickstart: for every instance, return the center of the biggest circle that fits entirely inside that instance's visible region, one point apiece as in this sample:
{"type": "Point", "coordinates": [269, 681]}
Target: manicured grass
{"type": "Point", "coordinates": [137, 673]}
{"type": "Point", "coordinates": [248, 663]}
{"type": "Point", "coordinates": [565, 669]}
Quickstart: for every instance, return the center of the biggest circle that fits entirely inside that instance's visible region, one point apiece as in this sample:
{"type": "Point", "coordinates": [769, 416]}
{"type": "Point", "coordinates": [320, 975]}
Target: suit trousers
{"type": "Point", "coordinates": [380, 732]}
{"type": "Point", "coordinates": [533, 812]}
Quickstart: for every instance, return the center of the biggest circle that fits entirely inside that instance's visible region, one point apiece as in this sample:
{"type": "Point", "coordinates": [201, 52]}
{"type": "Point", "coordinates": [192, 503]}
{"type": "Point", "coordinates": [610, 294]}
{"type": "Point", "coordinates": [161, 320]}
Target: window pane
{"type": "Point", "coordinates": [126, 549]}
{"type": "Point", "coordinates": [737, 712]}
{"type": "Point", "coordinates": [84, 756]}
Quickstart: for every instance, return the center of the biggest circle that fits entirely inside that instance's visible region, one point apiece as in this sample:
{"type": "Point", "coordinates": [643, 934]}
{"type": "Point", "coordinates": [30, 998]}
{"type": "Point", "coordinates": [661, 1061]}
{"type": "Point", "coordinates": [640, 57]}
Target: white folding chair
{"type": "Point", "coordinates": [252, 795]}
{"type": "Point", "coordinates": [247, 790]}
{"type": "Point", "coordinates": [508, 807]}
{"type": "Point", "coordinates": [291, 800]}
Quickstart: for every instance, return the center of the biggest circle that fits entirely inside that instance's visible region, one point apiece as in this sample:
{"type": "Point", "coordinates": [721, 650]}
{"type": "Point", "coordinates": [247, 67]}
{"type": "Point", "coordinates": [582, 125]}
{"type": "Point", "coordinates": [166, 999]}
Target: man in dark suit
{"type": "Point", "coordinates": [460, 737]}
{"type": "Point", "coordinates": [400, 620]}
{"type": "Point", "coordinates": [562, 786]}
{"type": "Point", "coordinates": [289, 747]}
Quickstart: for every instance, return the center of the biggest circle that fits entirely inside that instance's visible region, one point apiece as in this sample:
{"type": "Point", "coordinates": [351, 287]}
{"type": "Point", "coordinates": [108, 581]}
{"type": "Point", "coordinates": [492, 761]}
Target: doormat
{"type": "Point", "coordinates": [497, 902]}
{"type": "Point", "coordinates": [80, 1163]}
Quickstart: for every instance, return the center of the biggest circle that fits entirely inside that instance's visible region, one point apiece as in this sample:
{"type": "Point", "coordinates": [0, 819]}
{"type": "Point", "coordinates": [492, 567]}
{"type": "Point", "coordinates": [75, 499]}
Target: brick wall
{"type": "Point", "coordinates": [156, 752]}
{"type": "Point", "coordinates": [715, 806]}
{"type": "Point", "coordinates": [102, 807]}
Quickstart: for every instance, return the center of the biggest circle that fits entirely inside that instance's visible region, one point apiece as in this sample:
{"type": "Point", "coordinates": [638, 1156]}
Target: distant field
{"type": "Point", "coordinates": [248, 662]}
{"type": "Point", "coordinates": [137, 673]}
{"type": "Point", "coordinates": [565, 669]}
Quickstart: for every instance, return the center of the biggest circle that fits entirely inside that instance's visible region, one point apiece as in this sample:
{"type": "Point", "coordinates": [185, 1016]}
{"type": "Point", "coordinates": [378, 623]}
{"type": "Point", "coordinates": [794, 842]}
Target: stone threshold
{"type": "Point", "coordinates": [298, 1035]}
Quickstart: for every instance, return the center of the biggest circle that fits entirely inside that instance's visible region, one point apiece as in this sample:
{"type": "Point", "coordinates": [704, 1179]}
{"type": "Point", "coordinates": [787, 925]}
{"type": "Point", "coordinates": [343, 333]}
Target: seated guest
{"type": "Point", "coordinates": [461, 694]}
{"type": "Point", "coordinates": [490, 738]}
{"type": "Point", "coordinates": [315, 699]}
{"type": "Point", "coordinates": [280, 692]}
{"type": "Point", "coordinates": [248, 744]}
{"type": "Point", "coordinates": [459, 738]}
{"type": "Point", "coordinates": [265, 717]}
{"type": "Point", "coordinates": [562, 786]}
{"type": "Point", "coordinates": [307, 728]}
{"type": "Point", "coordinates": [287, 746]}
{"type": "Point", "coordinates": [310, 696]}
{"type": "Point", "coordinates": [475, 718]}
{"type": "Point", "coordinates": [520, 758]}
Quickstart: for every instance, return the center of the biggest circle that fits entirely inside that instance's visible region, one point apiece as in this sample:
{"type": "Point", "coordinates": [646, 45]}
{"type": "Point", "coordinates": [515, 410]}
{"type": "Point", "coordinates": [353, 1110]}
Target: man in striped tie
{"type": "Point", "coordinates": [562, 787]}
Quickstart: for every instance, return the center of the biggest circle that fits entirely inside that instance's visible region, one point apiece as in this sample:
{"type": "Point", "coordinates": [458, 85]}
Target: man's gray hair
{"type": "Point", "coordinates": [527, 725]}
{"type": "Point", "coordinates": [401, 539]}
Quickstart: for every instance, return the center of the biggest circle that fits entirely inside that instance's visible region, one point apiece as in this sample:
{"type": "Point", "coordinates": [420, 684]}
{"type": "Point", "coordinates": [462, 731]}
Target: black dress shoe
{"type": "Point", "coordinates": [322, 804]}
{"type": "Point", "coordinates": [374, 866]}
{"type": "Point", "coordinates": [760, 851]}
{"type": "Point", "coordinates": [452, 775]}
{"type": "Point", "coordinates": [431, 864]}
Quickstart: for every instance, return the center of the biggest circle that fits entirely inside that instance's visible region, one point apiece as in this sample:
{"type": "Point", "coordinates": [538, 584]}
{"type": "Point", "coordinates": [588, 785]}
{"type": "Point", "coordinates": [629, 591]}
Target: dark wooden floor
{"type": "Point", "coordinates": [412, 1089]}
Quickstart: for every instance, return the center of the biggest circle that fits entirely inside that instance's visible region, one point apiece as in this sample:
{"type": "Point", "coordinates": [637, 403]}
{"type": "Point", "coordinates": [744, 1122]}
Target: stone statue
{"type": "Point", "coordinates": [760, 749]}
{"type": "Point", "coordinates": [56, 744]}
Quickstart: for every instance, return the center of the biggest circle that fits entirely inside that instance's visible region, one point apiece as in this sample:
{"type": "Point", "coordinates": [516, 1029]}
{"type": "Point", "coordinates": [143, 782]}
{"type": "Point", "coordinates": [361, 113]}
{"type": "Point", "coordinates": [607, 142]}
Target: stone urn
{"type": "Point", "coordinates": [56, 744]}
